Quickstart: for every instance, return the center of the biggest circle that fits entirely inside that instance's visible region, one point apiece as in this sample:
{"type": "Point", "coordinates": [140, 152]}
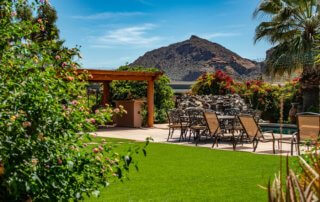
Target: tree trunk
{"type": "Point", "coordinates": [311, 99]}
{"type": "Point", "coordinates": [310, 86]}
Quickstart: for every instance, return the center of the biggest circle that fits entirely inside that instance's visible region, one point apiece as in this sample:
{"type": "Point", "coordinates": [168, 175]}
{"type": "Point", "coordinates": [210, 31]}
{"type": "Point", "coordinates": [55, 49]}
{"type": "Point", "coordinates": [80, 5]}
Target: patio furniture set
{"type": "Point", "coordinates": [232, 121]}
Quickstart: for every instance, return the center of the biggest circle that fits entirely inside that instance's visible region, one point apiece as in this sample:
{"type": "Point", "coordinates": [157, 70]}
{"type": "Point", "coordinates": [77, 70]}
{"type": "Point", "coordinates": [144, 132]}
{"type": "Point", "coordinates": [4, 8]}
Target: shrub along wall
{"type": "Point", "coordinates": [127, 90]}
{"type": "Point", "coordinates": [258, 94]}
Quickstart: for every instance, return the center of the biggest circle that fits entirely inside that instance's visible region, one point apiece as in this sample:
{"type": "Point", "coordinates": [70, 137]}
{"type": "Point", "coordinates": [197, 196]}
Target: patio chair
{"type": "Point", "coordinates": [213, 127]}
{"type": "Point", "coordinates": [253, 132]}
{"type": "Point", "coordinates": [308, 130]}
{"type": "Point", "coordinates": [196, 121]}
{"type": "Point", "coordinates": [176, 123]}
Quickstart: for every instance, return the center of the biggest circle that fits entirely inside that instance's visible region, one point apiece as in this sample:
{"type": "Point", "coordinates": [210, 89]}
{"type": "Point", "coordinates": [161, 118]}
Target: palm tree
{"type": "Point", "coordinates": [293, 27]}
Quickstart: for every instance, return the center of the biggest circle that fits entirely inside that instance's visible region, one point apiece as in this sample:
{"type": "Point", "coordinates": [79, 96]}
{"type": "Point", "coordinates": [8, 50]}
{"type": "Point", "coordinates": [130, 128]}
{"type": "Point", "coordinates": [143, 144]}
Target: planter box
{"type": "Point", "coordinates": [133, 118]}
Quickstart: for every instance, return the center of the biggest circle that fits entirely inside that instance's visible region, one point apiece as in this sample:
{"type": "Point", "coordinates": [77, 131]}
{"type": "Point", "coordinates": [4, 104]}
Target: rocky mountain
{"type": "Point", "coordinates": [187, 60]}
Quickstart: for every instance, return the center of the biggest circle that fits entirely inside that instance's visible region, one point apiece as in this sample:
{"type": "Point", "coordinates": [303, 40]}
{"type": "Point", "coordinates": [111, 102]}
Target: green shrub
{"type": "Point", "coordinates": [258, 94]}
{"type": "Point", "coordinates": [163, 97]}
{"type": "Point", "coordinates": [44, 118]}
{"type": "Point", "coordinates": [266, 97]}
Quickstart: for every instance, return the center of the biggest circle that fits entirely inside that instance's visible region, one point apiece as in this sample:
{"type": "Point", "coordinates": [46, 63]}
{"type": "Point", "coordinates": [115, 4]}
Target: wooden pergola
{"type": "Point", "coordinates": [106, 76]}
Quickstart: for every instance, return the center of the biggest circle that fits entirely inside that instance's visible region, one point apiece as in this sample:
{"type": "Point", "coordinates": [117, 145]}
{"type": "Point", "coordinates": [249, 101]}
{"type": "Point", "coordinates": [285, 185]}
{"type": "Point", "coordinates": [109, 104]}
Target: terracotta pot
{"type": "Point", "coordinates": [133, 118]}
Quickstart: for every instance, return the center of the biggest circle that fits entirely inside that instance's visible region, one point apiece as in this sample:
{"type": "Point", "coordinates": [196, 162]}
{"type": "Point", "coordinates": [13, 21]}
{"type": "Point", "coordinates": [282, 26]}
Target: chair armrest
{"type": "Point", "coordinates": [269, 132]}
{"type": "Point", "coordinates": [294, 135]}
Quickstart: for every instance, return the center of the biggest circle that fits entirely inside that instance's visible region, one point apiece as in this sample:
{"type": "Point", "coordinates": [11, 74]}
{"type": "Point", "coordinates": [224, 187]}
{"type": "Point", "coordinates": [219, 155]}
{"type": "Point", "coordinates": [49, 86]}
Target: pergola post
{"type": "Point", "coordinates": [106, 76]}
{"type": "Point", "coordinates": [150, 102]}
{"type": "Point", "coordinates": [106, 93]}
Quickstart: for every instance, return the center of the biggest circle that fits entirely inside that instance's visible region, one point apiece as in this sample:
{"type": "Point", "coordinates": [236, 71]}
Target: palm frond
{"type": "Point", "coordinates": [292, 26]}
{"type": "Point", "coordinates": [267, 7]}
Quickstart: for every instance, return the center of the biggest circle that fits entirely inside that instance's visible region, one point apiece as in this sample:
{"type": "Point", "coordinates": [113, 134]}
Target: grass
{"type": "Point", "coordinates": [181, 173]}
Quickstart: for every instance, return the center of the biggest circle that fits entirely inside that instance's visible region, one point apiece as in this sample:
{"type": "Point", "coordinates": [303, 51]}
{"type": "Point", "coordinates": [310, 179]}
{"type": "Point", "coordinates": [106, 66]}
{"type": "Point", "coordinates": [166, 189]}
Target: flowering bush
{"type": "Point", "coordinates": [44, 119]}
{"type": "Point", "coordinates": [218, 83]}
{"type": "Point", "coordinates": [258, 94]}
{"type": "Point", "coordinates": [266, 97]}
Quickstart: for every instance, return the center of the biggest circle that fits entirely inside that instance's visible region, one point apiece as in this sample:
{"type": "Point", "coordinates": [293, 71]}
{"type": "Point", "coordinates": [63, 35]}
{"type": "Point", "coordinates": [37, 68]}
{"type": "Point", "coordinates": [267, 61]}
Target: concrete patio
{"type": "Point", "coordinates": [159, 134]}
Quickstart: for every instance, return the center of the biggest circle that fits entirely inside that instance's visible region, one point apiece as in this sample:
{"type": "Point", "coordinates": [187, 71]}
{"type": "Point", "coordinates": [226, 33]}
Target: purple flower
{"type": "Point", "coordinates": [64, 64]}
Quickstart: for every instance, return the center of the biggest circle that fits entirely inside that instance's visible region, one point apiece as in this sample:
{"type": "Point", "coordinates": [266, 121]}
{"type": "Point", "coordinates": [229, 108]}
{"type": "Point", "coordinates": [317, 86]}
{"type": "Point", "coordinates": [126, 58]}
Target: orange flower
{"type": "Point", "coordinates": [70, 78]}
{"type": "Point", "coordinates": [26, 124]}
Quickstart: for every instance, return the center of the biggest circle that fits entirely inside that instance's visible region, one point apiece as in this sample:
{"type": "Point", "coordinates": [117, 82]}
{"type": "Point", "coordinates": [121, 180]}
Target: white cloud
{"type": "Point", "coordinates": [108, 15]}
{"type": "Point", "coordinates": [220, 34]}
{"type": "Point", "coordinates": [135, 35]}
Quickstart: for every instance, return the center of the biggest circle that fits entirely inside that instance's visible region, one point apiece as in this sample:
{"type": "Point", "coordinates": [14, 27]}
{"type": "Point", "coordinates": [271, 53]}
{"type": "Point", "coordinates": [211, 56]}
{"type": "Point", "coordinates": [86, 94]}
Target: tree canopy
{"type": "Point", "coordinates": [292, 26]}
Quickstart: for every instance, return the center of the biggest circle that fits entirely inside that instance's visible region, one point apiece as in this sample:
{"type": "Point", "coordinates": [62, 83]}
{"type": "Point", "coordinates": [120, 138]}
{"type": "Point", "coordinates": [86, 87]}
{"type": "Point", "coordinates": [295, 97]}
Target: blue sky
{"type": "Point", "coordinates": [113, 32]}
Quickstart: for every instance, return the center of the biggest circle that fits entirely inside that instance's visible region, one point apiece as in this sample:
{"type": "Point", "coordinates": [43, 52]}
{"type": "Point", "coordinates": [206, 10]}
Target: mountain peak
{"type": "Point", "coordinates": [194, 37]}
{"type": "Point", "coordinates": [187, 60]}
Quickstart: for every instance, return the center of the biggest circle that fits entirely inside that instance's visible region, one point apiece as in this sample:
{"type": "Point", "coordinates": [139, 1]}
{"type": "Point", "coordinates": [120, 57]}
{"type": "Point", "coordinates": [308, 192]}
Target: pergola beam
{"type": "Point", "coordinates": [100, 78]}
{"type": "Point", "coordinates": [106, 76]}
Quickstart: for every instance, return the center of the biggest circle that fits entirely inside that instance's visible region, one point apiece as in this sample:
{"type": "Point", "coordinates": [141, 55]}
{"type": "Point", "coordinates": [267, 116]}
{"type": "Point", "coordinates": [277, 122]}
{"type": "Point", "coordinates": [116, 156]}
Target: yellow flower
{"type": "Point", "coordinates": [13, 118]}
{"type": "Point", "coordinates": [34, 162]}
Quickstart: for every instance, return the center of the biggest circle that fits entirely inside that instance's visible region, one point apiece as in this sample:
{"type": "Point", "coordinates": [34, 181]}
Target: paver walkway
{"type": "Point", "coordinates": [159, 134]}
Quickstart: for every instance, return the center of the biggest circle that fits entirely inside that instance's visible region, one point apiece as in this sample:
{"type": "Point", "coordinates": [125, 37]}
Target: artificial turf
{"type": "Point", "coordinates": [183, 173]}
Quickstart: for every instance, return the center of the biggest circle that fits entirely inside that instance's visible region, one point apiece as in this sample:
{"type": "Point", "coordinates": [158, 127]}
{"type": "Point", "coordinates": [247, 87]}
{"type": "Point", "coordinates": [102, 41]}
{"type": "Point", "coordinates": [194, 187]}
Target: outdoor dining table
{"type": "Point", "coordinates": [220, 117]}
{"type": "Point", "coordinates": [226, 117]}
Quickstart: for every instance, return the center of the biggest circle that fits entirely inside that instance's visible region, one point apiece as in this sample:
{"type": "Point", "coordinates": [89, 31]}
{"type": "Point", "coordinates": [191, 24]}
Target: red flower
{"type": "Point", "coordinates": [229, 79]}
{"type": "Point", "coordinates": [259, 83]}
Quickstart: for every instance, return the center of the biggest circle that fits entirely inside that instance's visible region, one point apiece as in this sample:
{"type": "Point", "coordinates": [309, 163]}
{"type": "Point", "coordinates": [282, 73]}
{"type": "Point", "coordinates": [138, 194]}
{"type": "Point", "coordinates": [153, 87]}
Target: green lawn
{"type": "Point", "coordinates": [181, 173]}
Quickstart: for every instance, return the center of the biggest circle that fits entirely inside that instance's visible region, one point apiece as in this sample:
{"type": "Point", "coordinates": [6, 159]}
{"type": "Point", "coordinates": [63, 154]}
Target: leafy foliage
{"type": "Point", "coordinates": [126, 90]}
{"type": "Point", "coordinates": [266, 97]}
{"type": "Point", "coordinates": [214, 83]}
{"type": "Point", "coordinates": [44, 119]}
{"type": "Point", "coordinates": [304, 186]}
{"type": "Point", "coordinates": [258, 94]}
{"type": "Point", "coordinates": [293, 27]}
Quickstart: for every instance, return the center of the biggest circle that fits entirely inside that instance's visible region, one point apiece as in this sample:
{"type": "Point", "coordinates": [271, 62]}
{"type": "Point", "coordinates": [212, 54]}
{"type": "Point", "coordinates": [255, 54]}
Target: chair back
{"type": "Point", "coordinates": [212, 121]}
{"type": "Point", "coordinates": [174, 116]}
{"type": "Point", "coordinates": [249, 125]}
{"type": "Point", "coordinates": [195, 115]}
{"type": "Point", "coordinates": [308, 126]}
